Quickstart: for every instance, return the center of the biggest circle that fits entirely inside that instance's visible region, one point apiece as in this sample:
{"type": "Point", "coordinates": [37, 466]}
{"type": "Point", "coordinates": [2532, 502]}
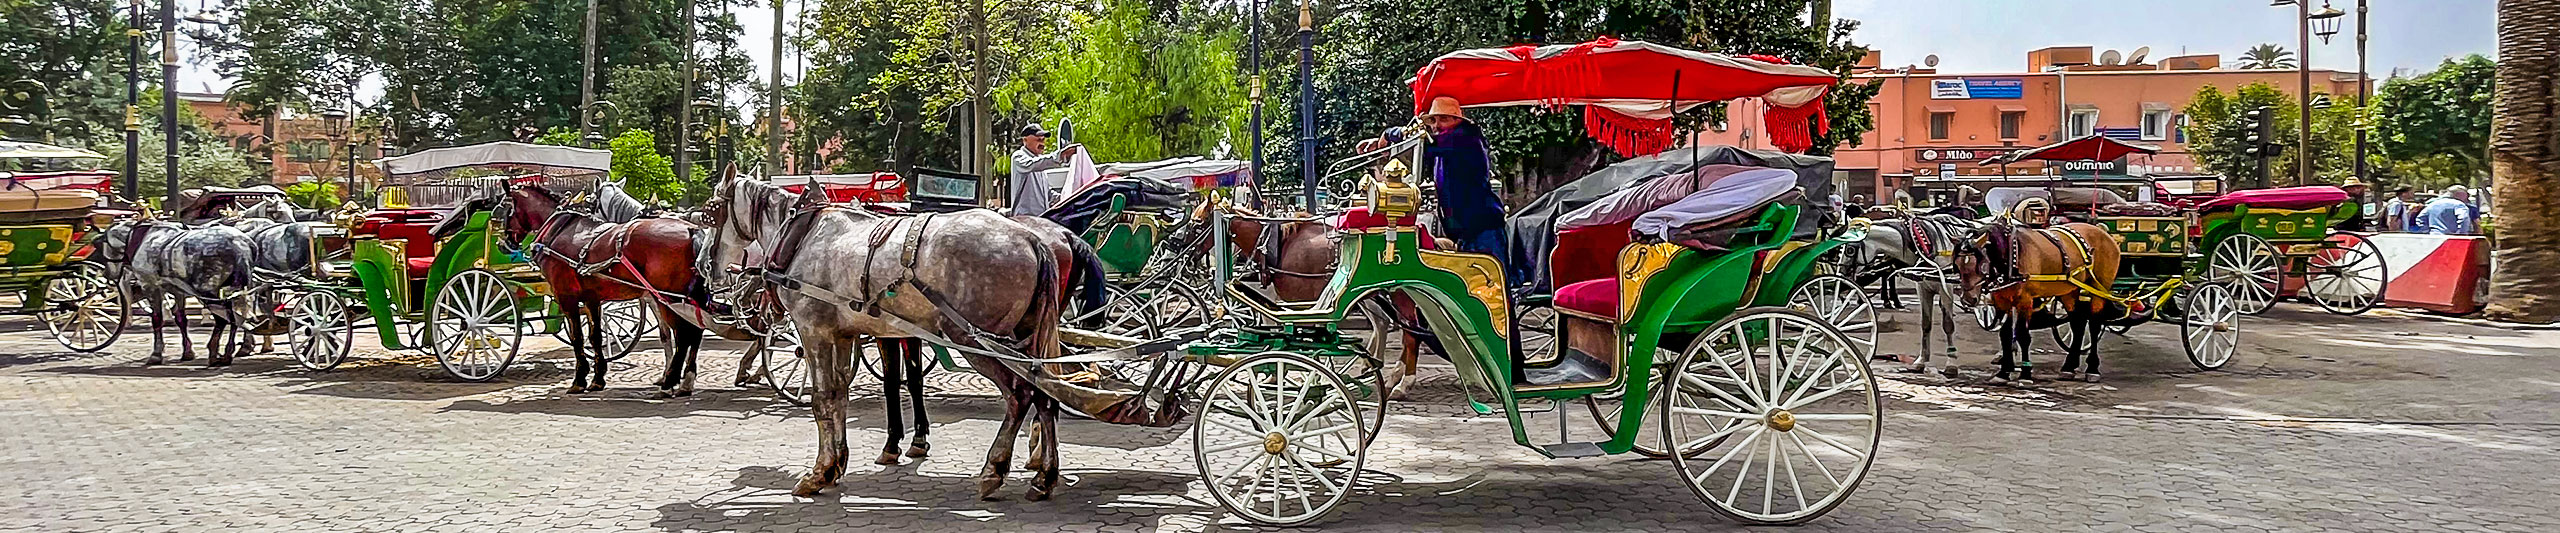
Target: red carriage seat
{"type": "Point", "coordinates": [1362, 218]}
{"type": "Point", "coordinates": [414, 225]}
{"type": "Point", "coordinates": [1596, 297]}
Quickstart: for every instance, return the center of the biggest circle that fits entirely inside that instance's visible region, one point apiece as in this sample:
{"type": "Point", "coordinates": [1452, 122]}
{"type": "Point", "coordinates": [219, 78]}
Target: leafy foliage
{"type": "Point", "coordinates": [2266, 56]}
{"type": "Point", "coordinates": [890, 78]}
{"type": "Point", "coordinates": [312, 194]}
{"type": "Point", "coordinates": [1362, 61]}
{"type": "Point", "coordinates": [2435, 127]}
{"type": "Point", "coordinates": [1139, 84]}
{"type": "Point", "coordinates": [644, 172]}
{"type": "Point", "coordinates": [2218, 135]}
{"type": "Point", "coordinates": [203, 159]}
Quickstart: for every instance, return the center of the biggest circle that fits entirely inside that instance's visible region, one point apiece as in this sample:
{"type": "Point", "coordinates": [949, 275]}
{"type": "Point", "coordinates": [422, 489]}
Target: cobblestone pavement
{"type": "Point", "coordinates": [98, 443]}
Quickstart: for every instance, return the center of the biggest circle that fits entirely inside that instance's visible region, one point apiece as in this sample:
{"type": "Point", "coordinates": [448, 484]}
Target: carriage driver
{"type": "Point", "coordinates": [1031, 194]}
{"type": "Point", "coordinates": [1462, 167]}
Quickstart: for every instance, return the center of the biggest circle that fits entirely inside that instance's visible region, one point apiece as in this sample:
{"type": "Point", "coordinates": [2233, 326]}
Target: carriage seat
{"type": "Point", "coordinates": [1362, 218]}
{"type": "Point", "coordinates": [1596, 297]}
{"type": "Point", "coordinates": [416, 226]}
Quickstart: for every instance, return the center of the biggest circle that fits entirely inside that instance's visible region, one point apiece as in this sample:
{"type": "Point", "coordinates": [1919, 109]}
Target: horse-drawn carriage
{"type": "Point", "coordinates": [2264, 241]}
{"type": "Point", "coordinates": [48, 216]}
{"type": "Point", "coordinates": [438, 278]}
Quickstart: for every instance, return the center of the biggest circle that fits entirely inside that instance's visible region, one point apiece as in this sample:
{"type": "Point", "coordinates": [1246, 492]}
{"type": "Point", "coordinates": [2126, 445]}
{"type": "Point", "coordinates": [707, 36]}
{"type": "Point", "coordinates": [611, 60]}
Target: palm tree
{"type": "Point", "coordinates": [2524, 166]}
{"type": "Point", "coordinates": [2266, 56]}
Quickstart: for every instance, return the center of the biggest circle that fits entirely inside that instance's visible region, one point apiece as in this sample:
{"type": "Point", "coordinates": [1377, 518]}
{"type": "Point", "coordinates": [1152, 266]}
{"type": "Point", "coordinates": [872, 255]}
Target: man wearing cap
{"type": "Point", "coordinates": [1031, 195]}
{"type": "Point", "coordinates": [2363, 219]}
{"type": "Point", "coordinates": [1462, 167]}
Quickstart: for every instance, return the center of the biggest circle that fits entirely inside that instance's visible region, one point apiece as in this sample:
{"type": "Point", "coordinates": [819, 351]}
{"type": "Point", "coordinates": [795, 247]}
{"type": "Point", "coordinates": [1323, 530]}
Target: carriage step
{"type": "Point", "coordinates": [1571, 449]}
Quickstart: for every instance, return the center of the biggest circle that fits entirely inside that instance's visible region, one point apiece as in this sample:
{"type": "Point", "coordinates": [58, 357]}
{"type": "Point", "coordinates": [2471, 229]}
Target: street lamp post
{"type": "Point", "coordinates": [337, 122]}
{"type": "Point", "coordinates": [169, 100]}
{"type": "Point", "coordinates": [1308, 166]}
{"type": "Point", "coordinates": [587, 76]}
{"type": "Point", "coordinates": [132, 101]}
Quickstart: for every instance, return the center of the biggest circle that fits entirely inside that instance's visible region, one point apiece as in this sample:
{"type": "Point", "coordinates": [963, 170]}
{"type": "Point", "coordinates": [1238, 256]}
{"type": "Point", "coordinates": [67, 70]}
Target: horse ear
{"type": "Point", "coordinates": [813, 195]}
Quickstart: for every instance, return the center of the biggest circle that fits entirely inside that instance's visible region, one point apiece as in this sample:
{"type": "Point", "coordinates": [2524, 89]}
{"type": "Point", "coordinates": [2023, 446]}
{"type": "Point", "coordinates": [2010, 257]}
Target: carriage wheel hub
{"type": "Point", "coordinates": [1782, 420]}
{"type": "Point", "coordinates": [1274, 443]}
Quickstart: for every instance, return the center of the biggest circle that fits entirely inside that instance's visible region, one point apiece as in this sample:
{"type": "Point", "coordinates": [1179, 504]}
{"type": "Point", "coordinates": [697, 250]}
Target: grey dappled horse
{"type": "Point", "coordinates": [991, 274]}
{"type": "Point", "coordinates": [1891, 252]}
{"type": "Point", "coordinates": [156, 260]}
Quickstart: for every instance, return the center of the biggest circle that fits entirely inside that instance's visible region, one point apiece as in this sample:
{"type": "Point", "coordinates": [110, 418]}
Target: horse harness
{"type": "Point", "coordinates": [803, 219]}
{"type": "Point", "coordinates": [621, 237]}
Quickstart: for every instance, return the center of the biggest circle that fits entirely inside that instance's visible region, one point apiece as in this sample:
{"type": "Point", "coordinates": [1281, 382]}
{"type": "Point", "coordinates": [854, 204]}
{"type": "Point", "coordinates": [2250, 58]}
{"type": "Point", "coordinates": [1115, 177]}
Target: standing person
{"type": "Point", "coordinates": [1031, 195]}
{"type": "Point", "coordinates": [2395, 213]}
{"type": "Point", "coordinates": [2450, 214]}
{"type": "Point", "coordinates": [2363, 219]}
{"type": "Point", "coordinates": [1858, 206]}
{"type": "Point", "coordinates": [1462, 166]}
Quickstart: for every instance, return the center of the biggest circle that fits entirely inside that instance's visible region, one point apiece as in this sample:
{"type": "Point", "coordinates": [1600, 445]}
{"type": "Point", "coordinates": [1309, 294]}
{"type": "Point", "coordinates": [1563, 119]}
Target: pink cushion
{"type": "Point", "coordinates": [1595, 297]}
{"type": "Point", "coordinates": [1362, 218]}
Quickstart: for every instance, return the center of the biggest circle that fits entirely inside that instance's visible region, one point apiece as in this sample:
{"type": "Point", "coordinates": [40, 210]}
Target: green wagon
{"type": "Point", "coordinates": [49, 208]}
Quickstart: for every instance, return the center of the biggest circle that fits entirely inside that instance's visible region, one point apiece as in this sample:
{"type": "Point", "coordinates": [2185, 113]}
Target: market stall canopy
{"type": "Point", "coordinates": [2089, 148]}
{"type": "Point", "coordinates": [546, 159]}
{"type": "Point", "coordinates": [1631, 89]}
{"type": "Point", "coordinates": [28, 150]}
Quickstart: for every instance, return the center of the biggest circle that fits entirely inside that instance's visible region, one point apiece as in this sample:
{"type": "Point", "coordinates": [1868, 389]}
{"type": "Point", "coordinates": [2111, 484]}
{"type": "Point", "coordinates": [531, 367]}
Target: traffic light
{"type": "Point", "coordinates": [2260, 143]}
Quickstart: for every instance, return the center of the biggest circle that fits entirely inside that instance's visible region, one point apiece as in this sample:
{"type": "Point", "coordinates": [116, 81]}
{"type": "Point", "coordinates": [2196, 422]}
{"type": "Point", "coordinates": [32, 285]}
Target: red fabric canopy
{"type": "Point", "coordinates": [2090, 148]}
{"type": "Point", "coordinates": [1628, 87]}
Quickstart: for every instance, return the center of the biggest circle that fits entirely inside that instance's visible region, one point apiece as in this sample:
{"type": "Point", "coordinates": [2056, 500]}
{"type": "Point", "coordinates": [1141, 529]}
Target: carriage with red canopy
{"type": "Point", "coordinates": [1766, 380]}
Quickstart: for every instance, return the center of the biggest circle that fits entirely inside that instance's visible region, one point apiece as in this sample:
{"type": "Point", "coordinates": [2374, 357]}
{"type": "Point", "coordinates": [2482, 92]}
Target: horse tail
{"type": "Point", "coordinates": [1086, 278]}
{"type": "Point", "coordinates": [1046, 306]}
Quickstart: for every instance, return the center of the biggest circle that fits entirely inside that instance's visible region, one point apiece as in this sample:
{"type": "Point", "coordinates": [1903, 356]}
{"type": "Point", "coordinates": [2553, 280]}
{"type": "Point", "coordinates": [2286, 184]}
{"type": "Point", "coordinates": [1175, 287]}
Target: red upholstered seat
{"type": "Point", "coordinates": [414, 225]}
{"type": "Point", "coordinates": [1588, 253]}
{"type": "Point", "coordinates": [418, 266]}
{"type": "Point", "coordinates": [1595, 297]}
{"type": "Point", "coordinates": [1362, 218]}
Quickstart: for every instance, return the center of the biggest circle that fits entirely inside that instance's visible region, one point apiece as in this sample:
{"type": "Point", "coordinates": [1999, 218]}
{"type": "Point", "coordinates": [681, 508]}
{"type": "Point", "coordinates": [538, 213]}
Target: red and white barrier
{"type": "Point", "coordinates": [2441, 273]}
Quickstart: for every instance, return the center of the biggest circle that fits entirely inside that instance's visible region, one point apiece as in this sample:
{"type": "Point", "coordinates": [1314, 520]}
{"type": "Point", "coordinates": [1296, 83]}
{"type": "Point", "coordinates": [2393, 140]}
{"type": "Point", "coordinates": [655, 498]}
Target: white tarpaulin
{"type": "Point", "coordinates": [1734, 194]}
{"type": "Point", "coordinates": [28, 150]}
{"type": "Point", "coordinates": [553, 160]}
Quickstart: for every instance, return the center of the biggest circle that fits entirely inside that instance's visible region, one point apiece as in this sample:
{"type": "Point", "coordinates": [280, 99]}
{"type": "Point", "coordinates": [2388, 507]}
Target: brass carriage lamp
{"type": "Point", "coordinates": [1391, 196]}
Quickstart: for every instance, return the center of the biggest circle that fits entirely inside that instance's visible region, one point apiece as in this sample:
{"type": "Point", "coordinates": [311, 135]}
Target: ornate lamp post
{"type": "Point", "coordinates": [338, 123]}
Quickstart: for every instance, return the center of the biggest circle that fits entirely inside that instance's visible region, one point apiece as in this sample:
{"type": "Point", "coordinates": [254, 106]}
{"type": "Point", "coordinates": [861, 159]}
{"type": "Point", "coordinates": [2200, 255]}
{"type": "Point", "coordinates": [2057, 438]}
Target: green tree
{"type": "Point", "coordinates": [1367, 48]}
{"type": "Point", "coordinates": [2439, 121]}
{"type": "Point", "coordinates": [2527, 188]}
{"type": "Point", "coordinates": [75, 48]}
{"type": "Point", "coordinates": [2218, 137]}
{"type": "Point", "coordinates": [2266, 56]}
{"type": "Point", "coordinates": [644, 172]}
{"type": "Point", "coordinates": [890, 78]}
{"type": "Point", "coordinates": [1140, 82]}
{"type": "Point", "coordinates": [313, 194]}
{"type": "Point", "coordinates": [203, 159]}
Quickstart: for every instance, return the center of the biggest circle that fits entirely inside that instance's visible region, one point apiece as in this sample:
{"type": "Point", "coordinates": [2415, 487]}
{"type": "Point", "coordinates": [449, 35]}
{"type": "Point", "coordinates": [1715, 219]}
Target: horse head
{"type": "Point", "coordinates": [740, 213]}
{"type": "Point", "coordinates": [526, 209]}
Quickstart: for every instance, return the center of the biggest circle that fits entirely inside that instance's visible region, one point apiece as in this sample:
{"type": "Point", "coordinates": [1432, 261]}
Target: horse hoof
{"type": "Point", "coordinates": [2069, 376]}
{"type": "Point", "coordinates": [810, 485]}
{"type": "Point", "coordinates": [1037, 494]}
{"type": "Point", "coordinates": [577, 389]}
{"type": "Point", "coordinates": [917, 451]}
{"type": "Point", "coordinates": [2023, 382]}
{"type": "Point", "coordinates": [2091, 377]}
{"type": "Point", "coordinates": [1949, 372]}
{"type": "Point", "coordinates": [889, 458]}
{"type": "Point", "coordinates": [154, 361]}
{"type": "Point", "coordinates": [987, 489]}
{"type": "Point", "coordinates": [684, 392]}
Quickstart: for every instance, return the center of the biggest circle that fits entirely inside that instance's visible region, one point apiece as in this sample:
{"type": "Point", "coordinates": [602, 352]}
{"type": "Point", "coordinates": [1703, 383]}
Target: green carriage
{"type": "Point", "coordinates": [431, 270]}
{"type": "Point", "coordinates": [50, 207]}
{"type": "Point", "coordinates": [2267, 243]}
{"type": "Point", "coordinates": [1705, 351]}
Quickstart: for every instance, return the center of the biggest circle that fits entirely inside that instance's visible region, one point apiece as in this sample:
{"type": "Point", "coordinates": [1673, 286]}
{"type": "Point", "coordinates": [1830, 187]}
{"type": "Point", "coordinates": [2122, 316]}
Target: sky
{"type": "Point", "coordinates": [1993, 36]}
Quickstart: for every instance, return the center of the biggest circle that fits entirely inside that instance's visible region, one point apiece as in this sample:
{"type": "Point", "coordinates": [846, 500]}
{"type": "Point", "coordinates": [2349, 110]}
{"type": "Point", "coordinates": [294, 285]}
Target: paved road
{"type": "Point", "coordinates": [97, 443]}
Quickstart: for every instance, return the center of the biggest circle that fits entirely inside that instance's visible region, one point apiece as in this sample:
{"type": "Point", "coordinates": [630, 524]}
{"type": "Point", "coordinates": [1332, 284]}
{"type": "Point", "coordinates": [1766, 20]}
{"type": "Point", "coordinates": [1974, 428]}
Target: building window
{"type": "Point", "coordinates": [1939, 124]}
{"type": "Point", "coordinates": [2155, 124]}
{"type": "Point", "coordinates": [2009, 122]}
{"type": "Point", "coordinates": [2084, 122]}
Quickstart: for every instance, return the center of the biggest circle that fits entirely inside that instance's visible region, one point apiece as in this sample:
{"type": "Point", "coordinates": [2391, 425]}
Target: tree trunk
{"type": "Point", "coordinates": [2525, 162]}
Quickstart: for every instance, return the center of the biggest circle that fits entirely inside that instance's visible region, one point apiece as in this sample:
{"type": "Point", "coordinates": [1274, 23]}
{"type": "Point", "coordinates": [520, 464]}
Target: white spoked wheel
{"type": "Point", "coordinates": [1839, 301]}
{"type": "Point", "coordinates": [91, 313]}
{"type": "Point", "coordinates": [1147, 311]}
{"type": "Point", "coordinates": [625, 323]}
{"type": "Point", "coordinates": [1278, 439]}
{"type": "Point", "coordinates": [1538, 333]}
{"type": "Point", "coordinates": [2348, 276]}
{"type": "Point", "coordinates": [784, 368]}
{"type": "Point", "coordinates": [1794, 391]}
{"type": "Point", "coordinates": [1374, 329]}
{"type": "Point", "coordinates": [2210, 327]}
{"type": "Point", "coordinates": [2251, 267]}
{"type": "Point", "coordinates": [476, 326]}
{"type": "Point", "coordinates": [319, 329]}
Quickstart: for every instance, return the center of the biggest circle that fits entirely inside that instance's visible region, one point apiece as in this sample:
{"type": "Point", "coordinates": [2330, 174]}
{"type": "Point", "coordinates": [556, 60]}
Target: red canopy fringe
{"type": "Point", "coordinates": [1629, 136]}
{"type": "Point", "coordinates": [1794, 128]}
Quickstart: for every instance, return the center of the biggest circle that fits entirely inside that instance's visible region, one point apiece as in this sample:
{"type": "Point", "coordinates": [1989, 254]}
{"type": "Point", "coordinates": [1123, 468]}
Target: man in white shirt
{"type": "Point", "coordinates": [1031, 195]}
{"type": "Point", "coordinates": [2395, 213]}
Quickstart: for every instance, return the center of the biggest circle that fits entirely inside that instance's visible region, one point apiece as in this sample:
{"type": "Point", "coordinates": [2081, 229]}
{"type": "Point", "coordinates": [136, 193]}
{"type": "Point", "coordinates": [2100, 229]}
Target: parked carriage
{"type": "Point", "coordinates": [438, 278]}
{"type": "Point", "coordinates": [872, 187]}
{"type": "Point", "coordinates": [2264, 241]}
{"type": "Point", "coordinates": [50, 207]}
{"type": "Point", "coordinates": [2159, 265]}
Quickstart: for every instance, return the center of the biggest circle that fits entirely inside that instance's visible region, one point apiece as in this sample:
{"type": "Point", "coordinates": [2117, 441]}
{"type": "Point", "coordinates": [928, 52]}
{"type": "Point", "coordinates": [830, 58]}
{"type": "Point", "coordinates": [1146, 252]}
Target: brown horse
{"type": "Point", "coordinates": [588, 262]}
{"type": "Point", "coordinates": [1297, 257]}
{"type": "Point", "coordinates": [2021, 267]}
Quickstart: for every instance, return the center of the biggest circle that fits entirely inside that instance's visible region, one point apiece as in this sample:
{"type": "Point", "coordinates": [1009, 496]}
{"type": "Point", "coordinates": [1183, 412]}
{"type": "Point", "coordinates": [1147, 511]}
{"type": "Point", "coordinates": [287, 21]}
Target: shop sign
{"type": "Point", "coordinates": [1976, 88]}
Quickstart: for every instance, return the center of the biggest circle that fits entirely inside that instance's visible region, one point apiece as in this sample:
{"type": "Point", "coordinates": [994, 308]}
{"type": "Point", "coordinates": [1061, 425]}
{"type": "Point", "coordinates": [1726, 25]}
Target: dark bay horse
{"type": "Point", "coordinates": [2020, 268]}
{"type": "Point", "coordinates": [158, 260]}
{"type": "Point", "coordinates": [975, 279]}
{"type": "Point", "coordinates": [589, 262]}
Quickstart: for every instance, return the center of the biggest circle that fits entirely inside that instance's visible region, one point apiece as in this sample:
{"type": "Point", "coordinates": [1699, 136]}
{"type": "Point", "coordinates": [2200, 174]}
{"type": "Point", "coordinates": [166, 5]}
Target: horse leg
{"type": "Point", "coordinates": [159, 315]}
{"type": "Point", "coordinates": [892, 373]}
{"type": "Point", "coordinates": [826, 360]}
{"type": "Point", "coordinates": [2026, 346]}
{"type": "Point", "coordinates": [2008, 348]}
{"type": "Point", "coordinates": [1044, 451]}
{"type": "Point", "coordinates": [217, 348]}
{"type": "Point", "coordinates": [572, 321]}
{"type": "Point", "coordinates": [675, 357]}
{"type": "Point", "coordinates": [2094, 331]}
{"type": "Point", "coordinates": [689, 341]}
{"type": "Point", "coordinates": [1928, 306]}
{"type": "Point", "coordinates": [595, 340]}
{"type": "Point", "coordinates": [186, 342]}
{"type": "Point", "coordinates": [917, 448]}
{"type": "Point", "coordinates": [1946, 307]}
{"type": "Point", "coordinates": [1017, 402]}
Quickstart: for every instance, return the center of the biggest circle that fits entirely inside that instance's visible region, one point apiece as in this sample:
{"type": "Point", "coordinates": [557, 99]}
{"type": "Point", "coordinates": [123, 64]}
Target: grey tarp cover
{"type": "Point", "coordinates": [1532, 226]}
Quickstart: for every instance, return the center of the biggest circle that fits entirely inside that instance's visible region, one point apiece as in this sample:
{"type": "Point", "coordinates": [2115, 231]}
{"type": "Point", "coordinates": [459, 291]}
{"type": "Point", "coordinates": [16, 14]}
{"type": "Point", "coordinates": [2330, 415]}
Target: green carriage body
{"type": "Point", "coordinates": [1462, 297]}
{"type": "Point", "coordinates": [1124, 239]}
{"type": "Point", "coordinates": [31, 254]}
{"type": "Point", "coordinates": [375, 272]}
